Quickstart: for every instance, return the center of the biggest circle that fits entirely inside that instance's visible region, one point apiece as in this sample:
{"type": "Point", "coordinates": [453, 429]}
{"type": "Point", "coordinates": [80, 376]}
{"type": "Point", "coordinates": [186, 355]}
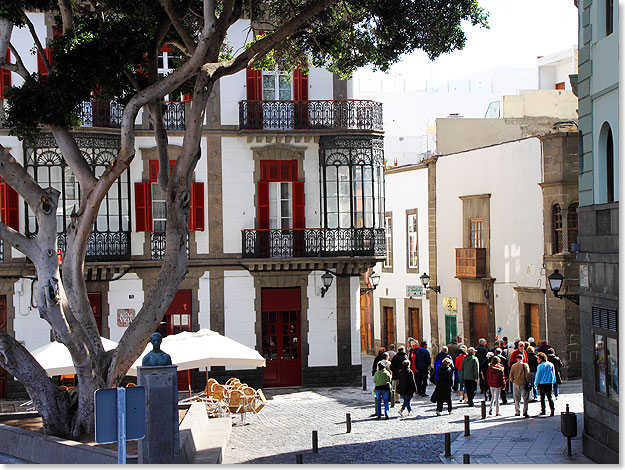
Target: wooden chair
{"type": "Point", "coordinates": [231, 381]}
{"type": "Point", "coordinates": [237, 404]}
{"type": "Point", "coordinates": [216, 401]}
{"type": "Point", "coordinates": [253, 402]}
{"type": "Point", "coordinates": [260, 404]}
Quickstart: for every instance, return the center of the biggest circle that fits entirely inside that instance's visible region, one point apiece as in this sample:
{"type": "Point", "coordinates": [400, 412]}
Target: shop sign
{"type": "Point", "coordinates": [125, 316]}
{"type": "Point", "coordinates": [450, 303]}
{"type": "Point", "coordinates": [414, 291]}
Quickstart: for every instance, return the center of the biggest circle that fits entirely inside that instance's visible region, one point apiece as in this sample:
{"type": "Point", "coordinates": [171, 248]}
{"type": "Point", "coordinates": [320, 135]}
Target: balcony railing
{"type": "Point", "coordinates": [157, 244]}
{"type": "Point", "coordinates": [102, 246]}
{"type": "Point", "coordinates": [471, 262]}
{"type": "Point", "coordinates": [99, 113]}
{"type": "Point", "coordinates": [320, 114]}
{"type": "Point", "coordinates": [318, 242]}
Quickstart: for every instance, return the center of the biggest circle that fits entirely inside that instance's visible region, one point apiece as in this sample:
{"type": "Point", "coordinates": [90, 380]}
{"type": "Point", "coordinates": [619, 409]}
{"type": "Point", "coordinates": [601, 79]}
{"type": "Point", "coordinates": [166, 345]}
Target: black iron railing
{"type": "Point", "coordinates": [100, 113]}
{"type": "Point", "coordinates": [102, 246]}
{"type": "Point", "coordinates": [157, 244]}
{"type": "Point", "coordinates": [173, 115]}
{"type": "Point", "coordinates": [319, 114]}
{"type": "Point", "coordinates": [317, 242]}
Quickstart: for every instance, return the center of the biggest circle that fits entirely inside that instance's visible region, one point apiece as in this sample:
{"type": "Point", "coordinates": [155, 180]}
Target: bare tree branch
{"type": "Point", "coordinates": [18, 241]}
{"type": "Point", "coordinates": [74, 158]}
{"type": "Point", "coordinates": [6, 29]}
{"type": "Point", "coordinates": [19, 66]}
{"type": "Point", "coordinates": [177, 22]}
{"type": "Point", "coordinates": [160, 135]}
{"type": "Point", "coordinates": [18, 178]}
{"type": "Point", "coordinates": [67, 16]}
{"type": "Point", "coordinates": [40, 48]}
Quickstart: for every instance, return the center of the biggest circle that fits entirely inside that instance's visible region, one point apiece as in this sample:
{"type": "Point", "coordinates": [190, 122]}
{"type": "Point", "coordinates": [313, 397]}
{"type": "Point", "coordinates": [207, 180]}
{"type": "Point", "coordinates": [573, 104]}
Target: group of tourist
{"type": "Point", "coordinates": [522, 368]}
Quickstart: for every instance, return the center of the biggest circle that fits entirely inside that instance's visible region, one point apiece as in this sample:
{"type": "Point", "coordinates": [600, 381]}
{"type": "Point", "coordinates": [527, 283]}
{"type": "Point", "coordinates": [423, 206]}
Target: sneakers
{"type": "Point", "coordinates": [408, 414]}
{"type": "Point", "coordinates": [449, 412]}
{"type": "Point", "coordinates": [438, 413]}
{"type": "Point", "coordinates": [542, 413]}
{"type": "Point", "coordinates": [461, 400]}
{"type": "Point", "coordinates": [401, 413]}
{"type": "Point", "coordinates": [517, 414]}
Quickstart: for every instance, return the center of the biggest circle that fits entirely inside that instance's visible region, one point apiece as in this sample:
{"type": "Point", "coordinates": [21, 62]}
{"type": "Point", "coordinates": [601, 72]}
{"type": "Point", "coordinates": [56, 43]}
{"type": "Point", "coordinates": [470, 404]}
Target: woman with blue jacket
{"type": "Point", "coordinates": [545, 378]}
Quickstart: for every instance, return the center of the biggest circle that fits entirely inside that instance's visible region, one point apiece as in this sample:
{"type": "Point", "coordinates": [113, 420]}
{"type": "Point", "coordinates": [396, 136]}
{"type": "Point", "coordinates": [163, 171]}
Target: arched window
{"type": "Point", "coordinates": [571, 225]}
{"type": "Point", "coordinates": [557, 228]}
{"type": "Point", "coordinates": [609, 161]}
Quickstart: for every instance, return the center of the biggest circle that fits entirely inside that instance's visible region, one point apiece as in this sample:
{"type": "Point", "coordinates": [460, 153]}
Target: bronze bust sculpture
{"type": "Point", "coordinates": [156, 357]}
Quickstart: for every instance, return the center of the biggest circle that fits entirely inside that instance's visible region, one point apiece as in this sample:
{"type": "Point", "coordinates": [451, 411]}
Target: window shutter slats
{"type": "Point", "coordinates": [5, 76]}
{"type": "Point", "coordinates": [143, 206]}
{"type": "Point", "coordinates": [153, 171]}
{"type": "Point", "coordinates": [254, 84]}
{"type": "Point", "coordinates": [605, 318]}
{"type": "Point", "coordinates": [196, 212]}
{"type": "Point", "coordinates": [299, 215]}
{"type": "Point", "coordinates": [12, 209]}
{"type": "Point", "coordinates": [263, 204]}
{"type": "Point", "coordinates": [3, 203]}
{"type": "Point", "coordinates": [300, 85]}
{"type": "Point", "coordinates": [41, 66]}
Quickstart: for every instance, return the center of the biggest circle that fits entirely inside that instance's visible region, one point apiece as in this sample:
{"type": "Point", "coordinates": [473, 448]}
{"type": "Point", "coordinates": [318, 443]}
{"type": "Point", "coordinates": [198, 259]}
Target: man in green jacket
{"type": "Point", "coordinates": [470, 374]}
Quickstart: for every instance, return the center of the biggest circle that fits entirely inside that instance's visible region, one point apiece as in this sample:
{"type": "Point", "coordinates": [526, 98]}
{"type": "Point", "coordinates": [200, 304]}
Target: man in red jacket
{"type": "Point", "coordinates": [516, 352]}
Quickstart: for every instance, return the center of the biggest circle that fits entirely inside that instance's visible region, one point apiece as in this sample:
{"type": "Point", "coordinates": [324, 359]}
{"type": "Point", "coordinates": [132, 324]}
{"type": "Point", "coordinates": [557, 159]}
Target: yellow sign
{"type": "Point", "coordinates": [450, 303]}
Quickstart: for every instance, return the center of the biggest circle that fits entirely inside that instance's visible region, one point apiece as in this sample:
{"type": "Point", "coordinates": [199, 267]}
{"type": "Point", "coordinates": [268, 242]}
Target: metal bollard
{"type": "Point", "coordinates": [348, 421]}
{"type": "Point", "coordinates": [447, 444]}
{"type": "Point", "coordinates": [364, 382]}
{"type": "Point", "coordinates": [299, 458]}
{"type": "Point", "coordinates": [315, 442]}
{"type": "Point", "coordinates": [466, 458]}
{"type": "Point", "coordinates": [467, 431]}
{"type": "Point", "coordinates": [483, 409]}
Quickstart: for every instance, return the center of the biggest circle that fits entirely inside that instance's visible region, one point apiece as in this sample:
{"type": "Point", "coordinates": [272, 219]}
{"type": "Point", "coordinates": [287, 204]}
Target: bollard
{"type": "Point", "coordinates": [299, 458]}
{"type": "Point", "coordinates": [483, 409]}
{"type": "Point", "coordinates": [348, 420]}
{"type": "Point", "coordinates": [467, 431]}
{"type": "Point", "coordinates": [466, 458]}
{"type": "Point", "coordinates": [364, 382]}
{"type": "Point", "coordinates": [315, 442]}
{"type": "Point", "coordinates": [447, 444]}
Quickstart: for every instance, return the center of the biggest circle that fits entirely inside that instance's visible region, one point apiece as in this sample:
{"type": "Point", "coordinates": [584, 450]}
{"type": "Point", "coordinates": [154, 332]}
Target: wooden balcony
{"type": "Point", "coordinates": [471, 262]}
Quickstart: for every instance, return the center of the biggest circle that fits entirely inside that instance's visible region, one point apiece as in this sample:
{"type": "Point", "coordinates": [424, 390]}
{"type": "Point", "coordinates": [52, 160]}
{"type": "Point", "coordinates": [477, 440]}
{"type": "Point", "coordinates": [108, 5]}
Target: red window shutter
{"type": "Point", "coordinates": [5, 76]}
{"type": "Point", "coordinates": [41, 66]}
{"type": "Point", "coordinates": [153, 170]}
{"type": "Point", "coordinates": [263, 204]}
{"type": "Point", "coordinates": [196, 213]}
{"type": "Point", "coordinates": [143, 206]}
{"type": "Point", "coordinates": [3, 203]}
{"type": "Point", "coordinates": [299, 217]}
{"type": "Point", "coordinates": [12, 208]}
{"type": "Point", "coordinates": [300, 85]}
{"type": "Point", "coordinates": [186, 97]}
{"type": "Point", "coordinates": [171, 165]}
{"type": "Point", "coordinates": [254, 84]}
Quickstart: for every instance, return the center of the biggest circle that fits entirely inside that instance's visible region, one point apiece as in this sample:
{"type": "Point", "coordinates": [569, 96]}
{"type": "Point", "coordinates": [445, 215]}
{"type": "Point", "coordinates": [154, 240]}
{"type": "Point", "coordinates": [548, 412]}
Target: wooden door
{"type": "Point", "coordinates": [533, 322]}
{"type": "Point", "coordinates": [363, 322]}
{"type": "Point", "coordinates": [280, 337]}
{"type": "Point", "coordinates": [479, 322]}
{"type": "Point", "coordinates": [415, 323]}
{"type": "Point", "coordinates": [389, 324]}
{"type": "Point", "coordinates": [95, 299]}
{"type": "Point", "coordinates": [3, 325]}
{"type": "Point", "coordinates": [451, 329]}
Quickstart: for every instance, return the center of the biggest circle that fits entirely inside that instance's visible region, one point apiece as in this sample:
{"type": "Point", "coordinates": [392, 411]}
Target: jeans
{"type": "Point", "coordinates": [533, 374]}
{"type": "Point", "coordinates": [460, 380]}
{"type": "Point", "coordinates": [494, 392]}
{"type": "Point", "coordinates": [471, 387]}
{"type": "Point", "coordinates": [545, 391]}
{"type": "Point", "coordinates": [379, 396]}
{"type": "Point", "coordinates": [519, 391]}
{"type": "Point", "coordinates": [556, 388]}
{"type": "Point", "coordinates": [406, 404]}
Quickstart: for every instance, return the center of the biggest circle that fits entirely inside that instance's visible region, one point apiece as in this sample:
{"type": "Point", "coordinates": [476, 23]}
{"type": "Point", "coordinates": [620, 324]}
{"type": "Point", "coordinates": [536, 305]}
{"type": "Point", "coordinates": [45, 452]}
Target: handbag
{"type": "Point", "coordinates": [528, 386]}
{"type": "Point", "coordinates": [434, 397]}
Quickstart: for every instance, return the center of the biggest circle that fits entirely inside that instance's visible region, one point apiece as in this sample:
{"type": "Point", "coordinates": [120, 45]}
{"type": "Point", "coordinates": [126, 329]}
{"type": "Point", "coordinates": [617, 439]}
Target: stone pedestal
{"type": "Point", "coordinates": [161, 443]}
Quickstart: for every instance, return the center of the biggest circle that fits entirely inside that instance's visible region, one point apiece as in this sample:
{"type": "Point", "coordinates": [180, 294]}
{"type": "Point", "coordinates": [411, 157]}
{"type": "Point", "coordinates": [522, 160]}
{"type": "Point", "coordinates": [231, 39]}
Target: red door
{"type": "Point", "coordinates": [479, 322]}
{"type": "Point", "coordinates": [281, 309]}
{"type": "Point", "coordinates": [3, 325]}
{"type": "Point", "coordinates": [95, 299]}
{"type": "Point", "coordinates": [178, 319]}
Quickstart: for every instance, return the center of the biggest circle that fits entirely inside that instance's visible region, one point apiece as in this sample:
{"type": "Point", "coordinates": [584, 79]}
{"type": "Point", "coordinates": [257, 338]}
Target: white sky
{"type": "Point", "coordinates": [520, 30]}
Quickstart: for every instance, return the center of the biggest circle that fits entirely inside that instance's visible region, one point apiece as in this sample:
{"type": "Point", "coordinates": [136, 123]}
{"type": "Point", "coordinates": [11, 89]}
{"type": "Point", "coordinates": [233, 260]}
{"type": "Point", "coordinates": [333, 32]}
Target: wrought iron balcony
{"type": "Point", "coordinates": [173, 115]}
{"type": "Point", "coordinates": [318, 114]}
{"type": "Point", "coordinates": [102, 246]}
{"type": "Point", "coordinates": [99, 113]}
{"type": "Point", "coordinates": [471, 262]}
{"type": "Point", "coordinates": [317, 242]}
{"type": "Point", "coordinates": [157, 244]}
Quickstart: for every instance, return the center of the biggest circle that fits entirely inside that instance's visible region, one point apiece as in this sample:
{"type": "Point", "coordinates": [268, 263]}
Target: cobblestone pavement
{"type": "Point", "coordinates": [293, 413]}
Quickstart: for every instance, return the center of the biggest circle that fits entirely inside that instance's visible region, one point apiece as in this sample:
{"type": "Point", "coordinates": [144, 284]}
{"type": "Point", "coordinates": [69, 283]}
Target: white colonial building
{"type": "Point", "coordinates": [289, 186]}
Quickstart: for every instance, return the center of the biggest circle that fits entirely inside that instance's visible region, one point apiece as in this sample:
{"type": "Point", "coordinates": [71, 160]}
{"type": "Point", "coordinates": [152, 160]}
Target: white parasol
{"type": "Point", "coordinates": [56, 359]}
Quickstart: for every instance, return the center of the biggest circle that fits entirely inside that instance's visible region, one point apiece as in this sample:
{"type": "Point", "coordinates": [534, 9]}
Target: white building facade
{"type": "Point", "coordinates": [289, 186]}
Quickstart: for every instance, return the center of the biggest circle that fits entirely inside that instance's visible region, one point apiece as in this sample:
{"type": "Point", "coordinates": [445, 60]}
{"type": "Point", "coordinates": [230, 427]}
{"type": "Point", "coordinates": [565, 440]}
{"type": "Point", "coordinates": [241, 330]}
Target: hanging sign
{"type": "Point", "coordinates": [450, 303]}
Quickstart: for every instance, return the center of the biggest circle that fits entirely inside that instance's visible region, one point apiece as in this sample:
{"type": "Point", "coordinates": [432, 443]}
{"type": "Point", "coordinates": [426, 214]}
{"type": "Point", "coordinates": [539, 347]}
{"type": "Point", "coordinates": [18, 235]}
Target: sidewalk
{"type": "Point", "coordinates": [509, 439]}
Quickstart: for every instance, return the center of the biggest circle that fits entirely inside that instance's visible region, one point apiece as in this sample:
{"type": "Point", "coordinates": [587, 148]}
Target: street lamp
{"type": "Point", "coordinates": [425, 280]}
{"type": "Point", "coordinates": [375, 280]}
{"type": "Point", "coordinates": [327, 282]}
{"type": "Point", "coordinates": [555, 282]}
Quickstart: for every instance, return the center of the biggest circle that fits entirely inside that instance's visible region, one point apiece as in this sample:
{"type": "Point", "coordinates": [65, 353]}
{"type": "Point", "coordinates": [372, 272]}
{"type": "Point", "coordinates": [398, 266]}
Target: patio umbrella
{"type": "Point", "coordinates": [204, 348]}
{"type": "Point", "coordinates": [56, 359]}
